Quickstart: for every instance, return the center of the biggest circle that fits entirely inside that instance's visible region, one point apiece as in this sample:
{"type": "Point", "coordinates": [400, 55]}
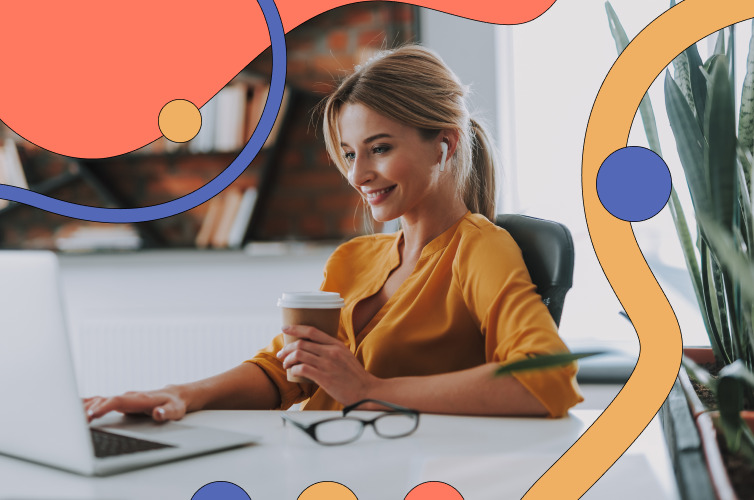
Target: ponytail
{"type": "Point", "coordinates": [479, 194]}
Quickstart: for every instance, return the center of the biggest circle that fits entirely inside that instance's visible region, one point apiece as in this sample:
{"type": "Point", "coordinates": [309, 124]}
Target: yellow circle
{"type": "Point", "coordinates": [327, 490]}
{"type": "Point", "coordinates": [180, 120]}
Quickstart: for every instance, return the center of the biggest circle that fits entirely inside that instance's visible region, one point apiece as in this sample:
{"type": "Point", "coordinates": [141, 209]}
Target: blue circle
{"type": "Point", "coordinates": [220, 490]}
{"type": "Point", "coordinates": [204, 193]}
{"type": "Point", "coordinates": [634, 184]}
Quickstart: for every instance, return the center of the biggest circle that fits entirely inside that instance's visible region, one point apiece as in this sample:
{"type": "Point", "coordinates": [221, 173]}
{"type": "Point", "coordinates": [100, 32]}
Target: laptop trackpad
{"type": "Point", "coordinates": [144, 426]}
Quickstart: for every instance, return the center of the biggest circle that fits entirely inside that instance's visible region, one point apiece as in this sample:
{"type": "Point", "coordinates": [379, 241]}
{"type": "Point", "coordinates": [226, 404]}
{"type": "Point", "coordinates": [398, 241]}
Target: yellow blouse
{"type": "Point", "coordinates": [468, 301]}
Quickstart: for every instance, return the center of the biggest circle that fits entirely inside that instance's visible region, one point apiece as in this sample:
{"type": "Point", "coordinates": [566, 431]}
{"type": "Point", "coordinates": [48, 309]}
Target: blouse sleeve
{"type": "Point", "coordinates": [292, 392]}
{"type": "Point", "coordinates": [513, 319]}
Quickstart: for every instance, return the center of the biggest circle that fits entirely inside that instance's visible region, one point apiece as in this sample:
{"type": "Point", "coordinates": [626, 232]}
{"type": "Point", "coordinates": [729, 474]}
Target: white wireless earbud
{"type": "Point", "coordinates": [444, 147]}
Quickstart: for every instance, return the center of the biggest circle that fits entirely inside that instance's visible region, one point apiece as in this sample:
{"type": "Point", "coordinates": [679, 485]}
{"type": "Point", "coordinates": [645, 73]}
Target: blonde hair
{"type": "Point", "coordinates": [412, 85]}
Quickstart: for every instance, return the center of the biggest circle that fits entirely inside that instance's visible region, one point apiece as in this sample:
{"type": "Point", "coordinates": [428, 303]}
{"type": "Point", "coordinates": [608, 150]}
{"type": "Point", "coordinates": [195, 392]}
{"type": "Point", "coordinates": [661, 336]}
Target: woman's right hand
{"type": "Point", "coordinates": [161, 405]}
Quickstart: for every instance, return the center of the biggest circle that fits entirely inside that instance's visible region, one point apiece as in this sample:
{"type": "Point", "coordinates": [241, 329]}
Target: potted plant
{"type": "Point", "coordinates": [716, 156]}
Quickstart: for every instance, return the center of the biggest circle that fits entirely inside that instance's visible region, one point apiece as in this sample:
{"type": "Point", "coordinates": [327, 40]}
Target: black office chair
{"type": "Point", "coordinates": [547, 248]}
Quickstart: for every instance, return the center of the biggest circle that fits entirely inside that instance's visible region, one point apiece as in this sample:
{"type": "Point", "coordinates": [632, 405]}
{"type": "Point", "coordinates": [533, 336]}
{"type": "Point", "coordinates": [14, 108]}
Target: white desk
{"type": "Point", "coordinates": [483, 458]}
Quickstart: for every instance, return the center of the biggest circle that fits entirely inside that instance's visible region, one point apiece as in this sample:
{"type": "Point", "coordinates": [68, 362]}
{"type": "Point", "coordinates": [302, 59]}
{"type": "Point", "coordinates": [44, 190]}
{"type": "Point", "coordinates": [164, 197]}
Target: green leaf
{"type": "Point", "coordinates": [743, 165]}
{"type": "Point", "coordinates": [690, 144]}
{"type": "Point", "coordinates": [544, 361]}
{"type": "Point", "coordinates": [684, 237]}
{"type": "Point", "coordinates": [730, 257]}
{"type": "Point", "coordinates": [716, 271]}
{"type": "Point", "coordinates": [716, 334]}
{"type": "Point", "coordinates": [645, 107]}
{"type": "Point", "coordinates": [738, 371]}
{"type": "Point", "coordinates": [731, 55]}
{"type": "Point", "coordinates": [730, 390]}
{"type": "Point", "coordinates": [650, 125]}
{"type": "Point", "coordinates": [699, 374]}
{"type": "Point", "coordinates": [698, 82]}
{"type": "Point", "coordinates": [616, 28]}
{"type": "Point", "coordinates": [683, 77]}
{"type": "Point", "coordinates": [692, 265]}
{"type": "Point", "coordinates": [720, 130]}
{"type": "Point", "coordinates": [746, 112]}
{"type": "Point", "coordinates": [720, 43]}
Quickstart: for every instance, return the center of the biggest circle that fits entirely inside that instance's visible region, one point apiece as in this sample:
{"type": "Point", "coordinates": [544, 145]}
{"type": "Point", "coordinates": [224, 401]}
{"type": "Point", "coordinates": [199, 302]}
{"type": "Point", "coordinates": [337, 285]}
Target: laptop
{"type": "Point", "coordinates": [42, 417]}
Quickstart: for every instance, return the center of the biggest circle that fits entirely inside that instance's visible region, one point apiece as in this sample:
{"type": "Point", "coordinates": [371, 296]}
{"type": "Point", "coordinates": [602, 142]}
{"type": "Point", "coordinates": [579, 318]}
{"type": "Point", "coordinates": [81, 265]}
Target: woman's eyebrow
{"type": "Point", "coordinates": [375, 137]}
{"type": "Point", "coordinates": [370, 139]}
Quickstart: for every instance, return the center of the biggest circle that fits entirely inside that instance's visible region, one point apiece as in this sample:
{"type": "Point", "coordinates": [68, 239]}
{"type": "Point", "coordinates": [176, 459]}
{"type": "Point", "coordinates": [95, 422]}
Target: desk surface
{"type": "Point", "coordinates": [483, 458]}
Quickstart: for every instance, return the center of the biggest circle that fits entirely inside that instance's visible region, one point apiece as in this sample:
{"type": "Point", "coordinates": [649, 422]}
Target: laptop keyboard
{"type": "Point", "coordinates": [107, 444]}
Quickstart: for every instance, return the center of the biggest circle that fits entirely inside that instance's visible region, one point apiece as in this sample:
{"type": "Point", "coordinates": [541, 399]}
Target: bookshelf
{"type": "Point", "coordinates": [295, 192]}
{"type": "Point", "coordinates": [226, 221]}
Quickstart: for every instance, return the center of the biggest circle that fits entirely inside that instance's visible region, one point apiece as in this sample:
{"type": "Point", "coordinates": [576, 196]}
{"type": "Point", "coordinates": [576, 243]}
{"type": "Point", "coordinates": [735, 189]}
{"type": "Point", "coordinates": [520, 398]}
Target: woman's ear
{"type": "Point", "coordinates": [449, 137]}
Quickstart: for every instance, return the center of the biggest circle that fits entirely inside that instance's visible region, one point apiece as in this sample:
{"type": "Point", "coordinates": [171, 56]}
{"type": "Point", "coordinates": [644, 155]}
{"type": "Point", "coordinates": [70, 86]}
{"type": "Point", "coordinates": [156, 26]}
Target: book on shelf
{"type": "Point", "coordinates": [204, 142]}
{"type": "Point", "coordinates": [273, 137]}
{"type": "Point", "coordinates": [14, 168]}
{"type": "Point", "coordinates": [231, 104]}
{"type": "Point", "coordinates": [11, 168]}
{"type": "Point", "coordinates": [170, 146]}
{"type": "Point", "coordinates": [255, 108]}
{"type": "Point", "coordinates": [242, 218]}
{"type": "Point", "coordinates": [230, 118]}
{"type": "Point", "coordinates": [93, 237]}
{"type": "Point", "coordinates": [3, 175]}
{"type": "Point", "coordinates": [231, 203]}
{"type": "Point", "coordinates": [227, 219]}
{"type": "Point", "coordinates": [209, 223]}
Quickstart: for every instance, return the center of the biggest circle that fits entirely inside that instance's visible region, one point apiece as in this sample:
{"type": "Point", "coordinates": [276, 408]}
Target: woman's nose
{"type": "Point", "coordinates": [360, 172]}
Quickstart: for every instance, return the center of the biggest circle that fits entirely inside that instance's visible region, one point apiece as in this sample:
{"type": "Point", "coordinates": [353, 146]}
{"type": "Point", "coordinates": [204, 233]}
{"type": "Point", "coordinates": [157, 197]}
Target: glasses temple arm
{"type": "Point", "coordinates": [351, 407]}
{"type": "Point", "coordinates": [297, 424]}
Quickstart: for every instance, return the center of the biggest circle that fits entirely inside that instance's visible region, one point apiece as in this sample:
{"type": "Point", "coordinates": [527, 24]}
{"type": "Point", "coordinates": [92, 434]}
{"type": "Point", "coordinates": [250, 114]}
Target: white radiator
{"type": "Point", "coordinates": [113, 355]}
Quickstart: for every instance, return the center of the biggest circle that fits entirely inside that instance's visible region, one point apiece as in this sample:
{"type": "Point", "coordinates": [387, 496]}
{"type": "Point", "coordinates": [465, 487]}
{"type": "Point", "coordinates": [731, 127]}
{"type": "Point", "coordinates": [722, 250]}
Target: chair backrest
{"type": "Point", "coordinates": [547, 248]}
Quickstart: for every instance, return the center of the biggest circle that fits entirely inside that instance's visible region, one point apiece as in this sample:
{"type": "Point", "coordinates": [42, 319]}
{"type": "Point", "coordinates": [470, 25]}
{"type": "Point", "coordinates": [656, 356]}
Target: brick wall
{"type": "Point", "coordinates": [306, 197]}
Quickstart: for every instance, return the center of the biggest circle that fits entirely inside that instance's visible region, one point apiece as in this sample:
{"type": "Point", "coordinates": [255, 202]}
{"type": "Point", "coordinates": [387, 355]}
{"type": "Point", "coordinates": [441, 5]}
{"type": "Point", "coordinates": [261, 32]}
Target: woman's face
{"type": "Point", "coordinates": [389, 163]}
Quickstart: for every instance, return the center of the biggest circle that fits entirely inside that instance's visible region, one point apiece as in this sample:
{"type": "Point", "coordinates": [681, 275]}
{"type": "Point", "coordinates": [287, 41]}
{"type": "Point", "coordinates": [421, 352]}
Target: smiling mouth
{"type": "Point", "coordinates": [375, 194]}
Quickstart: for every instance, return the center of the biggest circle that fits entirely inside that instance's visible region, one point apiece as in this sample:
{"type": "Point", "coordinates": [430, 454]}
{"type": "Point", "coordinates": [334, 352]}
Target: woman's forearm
{"type": "Point", "coordinates": [245, 387]}
{"type": "Point", "coordinates": [474, 391]}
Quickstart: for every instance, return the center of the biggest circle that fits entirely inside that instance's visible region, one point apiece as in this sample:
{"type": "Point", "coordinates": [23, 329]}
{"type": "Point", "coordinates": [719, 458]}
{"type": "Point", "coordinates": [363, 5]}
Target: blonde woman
{"type": "Point", "coordinates": [431, 310]}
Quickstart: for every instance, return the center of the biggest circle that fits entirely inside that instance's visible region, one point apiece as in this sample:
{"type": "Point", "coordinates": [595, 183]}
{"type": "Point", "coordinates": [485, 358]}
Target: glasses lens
{"type": "Point", "coordinates": [342, 430]}
{"type": "Point", "coordinates": [395, 424]}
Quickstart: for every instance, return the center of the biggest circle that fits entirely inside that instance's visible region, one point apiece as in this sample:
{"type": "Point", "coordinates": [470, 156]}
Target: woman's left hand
{"type": "Point", "coordinates": [327, 362]}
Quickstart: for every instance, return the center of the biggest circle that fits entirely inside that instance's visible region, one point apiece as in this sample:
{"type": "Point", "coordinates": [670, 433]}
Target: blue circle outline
{"type": "Point", "coordinates": [204, 193]}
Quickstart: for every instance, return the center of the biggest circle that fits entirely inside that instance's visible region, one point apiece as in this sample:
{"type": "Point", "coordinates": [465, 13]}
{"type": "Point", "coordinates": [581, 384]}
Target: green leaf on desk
{"type": "Point", "coordinates": [699, 374]}
{"type": "Point", "coordinates": [544, 361]}
{"type": "Point", "coordinates": [730, 399]}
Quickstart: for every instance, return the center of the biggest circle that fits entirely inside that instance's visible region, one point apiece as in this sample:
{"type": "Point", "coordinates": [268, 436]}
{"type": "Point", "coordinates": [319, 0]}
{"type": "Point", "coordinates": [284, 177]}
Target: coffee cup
{"type": "Point", "coordinates": [318, 309]}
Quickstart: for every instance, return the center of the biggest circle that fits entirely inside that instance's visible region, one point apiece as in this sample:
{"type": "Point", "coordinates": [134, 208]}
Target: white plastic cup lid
{"type": "Point", "coordinates": [310, 300]}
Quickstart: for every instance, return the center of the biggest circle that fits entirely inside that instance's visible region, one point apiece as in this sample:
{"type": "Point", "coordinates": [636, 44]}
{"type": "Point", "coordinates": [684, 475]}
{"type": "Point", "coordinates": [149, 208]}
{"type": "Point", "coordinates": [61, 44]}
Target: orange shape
{"type": "Point", "coordinates": [433, 490]}
{"type": "Point", "coordinates": [327, 490]}
{"type": "Point", "coordinates": [86, 79]}
{"type": "Point", "coordinates": [180, 120]}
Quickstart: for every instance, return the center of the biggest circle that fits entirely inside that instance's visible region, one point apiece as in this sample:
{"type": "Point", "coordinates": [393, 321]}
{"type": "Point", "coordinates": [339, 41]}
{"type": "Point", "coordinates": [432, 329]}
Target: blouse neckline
{"type": "Point", "coordinates": [438, 243]}
{"type": "Point", "coordinates": [393, 260]}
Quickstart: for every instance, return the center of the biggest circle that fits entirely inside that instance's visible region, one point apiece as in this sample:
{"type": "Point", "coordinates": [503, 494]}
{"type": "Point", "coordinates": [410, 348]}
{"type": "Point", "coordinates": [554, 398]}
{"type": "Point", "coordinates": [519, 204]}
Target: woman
{"type": "Point", "coordinates": [430, 311]}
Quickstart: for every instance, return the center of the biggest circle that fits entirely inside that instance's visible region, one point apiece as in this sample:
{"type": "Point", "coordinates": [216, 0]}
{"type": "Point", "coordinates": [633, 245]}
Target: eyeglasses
{"type": "Point", "coordinates": [398, 422]}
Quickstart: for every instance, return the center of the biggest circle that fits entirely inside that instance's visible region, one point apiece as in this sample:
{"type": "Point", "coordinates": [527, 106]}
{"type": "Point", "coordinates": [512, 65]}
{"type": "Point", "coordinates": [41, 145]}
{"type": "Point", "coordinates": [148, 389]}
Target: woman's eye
{"type": "Point", "coordinates": [349, 156]}
{"type": "Point", "coordinates": [380, 149]}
